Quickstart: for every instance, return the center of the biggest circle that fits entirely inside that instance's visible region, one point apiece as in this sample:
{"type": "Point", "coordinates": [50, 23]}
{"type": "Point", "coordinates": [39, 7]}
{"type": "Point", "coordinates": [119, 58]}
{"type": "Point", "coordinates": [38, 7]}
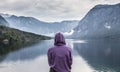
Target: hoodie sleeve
{"type": "Point", "coordinates": [49, 57]}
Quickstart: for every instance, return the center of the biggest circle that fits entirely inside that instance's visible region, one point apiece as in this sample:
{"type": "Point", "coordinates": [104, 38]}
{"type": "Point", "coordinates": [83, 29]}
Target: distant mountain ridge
{"type": "Point", "coordinates": [3, 22]}
{"type": "Point", "coordinates": [34, 25]}
{"type": "Point", "coordinates": [100, 22]}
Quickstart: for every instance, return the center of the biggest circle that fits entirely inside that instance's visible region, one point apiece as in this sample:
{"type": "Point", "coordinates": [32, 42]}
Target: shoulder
{"type": "Point", "coordinates": [69, 48]}
{"type": "Point", "coordinates": [51, 48]}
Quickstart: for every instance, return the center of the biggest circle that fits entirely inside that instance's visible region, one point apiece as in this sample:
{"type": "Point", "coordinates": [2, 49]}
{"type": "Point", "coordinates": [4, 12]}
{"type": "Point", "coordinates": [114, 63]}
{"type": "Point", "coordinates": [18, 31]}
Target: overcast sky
{"type": "Point", "coordinates": [51, 10]}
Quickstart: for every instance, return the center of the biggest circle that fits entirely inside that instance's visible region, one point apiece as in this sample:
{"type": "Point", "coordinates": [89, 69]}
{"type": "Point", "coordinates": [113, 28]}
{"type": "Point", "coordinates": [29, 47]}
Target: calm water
{"type": "Point", "coordinates": [88, 56]}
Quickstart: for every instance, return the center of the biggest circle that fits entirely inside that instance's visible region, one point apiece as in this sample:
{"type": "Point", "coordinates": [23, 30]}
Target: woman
{"type": "Point", "coordinates": [59, 56]}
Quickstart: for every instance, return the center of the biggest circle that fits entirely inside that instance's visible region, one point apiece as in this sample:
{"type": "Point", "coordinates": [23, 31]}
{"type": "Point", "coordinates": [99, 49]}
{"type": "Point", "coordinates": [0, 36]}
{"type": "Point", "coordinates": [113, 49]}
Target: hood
{"type": "Point", "coordinates": [59, 39]}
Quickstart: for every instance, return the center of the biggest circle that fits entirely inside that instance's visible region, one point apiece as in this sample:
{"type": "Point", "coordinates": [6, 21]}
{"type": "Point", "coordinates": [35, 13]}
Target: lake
{"type": "Point", "coordinates": [88, 56]}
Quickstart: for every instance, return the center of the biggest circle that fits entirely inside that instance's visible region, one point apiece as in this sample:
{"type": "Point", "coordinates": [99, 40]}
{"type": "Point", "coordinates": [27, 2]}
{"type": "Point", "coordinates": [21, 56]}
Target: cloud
{"type": "Point", "coordinates": [51, 10]}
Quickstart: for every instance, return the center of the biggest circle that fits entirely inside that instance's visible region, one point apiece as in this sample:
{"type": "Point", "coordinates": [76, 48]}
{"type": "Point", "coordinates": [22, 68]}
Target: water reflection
{"type": "Point", "coordinates": [38, 64]}
{"type": "Point", "coordinates": [102, 55]}
{"type": "Point", "coordinates": [29, 52]}
{"type": "Point", "coordinates": [5, 50]}
{"type": "Point", "coordinates": [33, 58]}
{"type": "Point", "coordinates": [88, 56]}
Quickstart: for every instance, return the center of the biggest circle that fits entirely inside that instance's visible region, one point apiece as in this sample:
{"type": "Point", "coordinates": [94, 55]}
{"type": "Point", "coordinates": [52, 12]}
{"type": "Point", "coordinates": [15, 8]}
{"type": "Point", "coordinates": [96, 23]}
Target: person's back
{"type": "Point", "coordinates": [59, 56]}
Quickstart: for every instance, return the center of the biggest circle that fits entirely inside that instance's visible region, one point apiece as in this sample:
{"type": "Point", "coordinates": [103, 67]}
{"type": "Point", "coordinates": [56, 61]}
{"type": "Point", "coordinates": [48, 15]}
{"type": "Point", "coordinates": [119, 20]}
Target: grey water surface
{"type": "Point", "coordinates": [88, 56]}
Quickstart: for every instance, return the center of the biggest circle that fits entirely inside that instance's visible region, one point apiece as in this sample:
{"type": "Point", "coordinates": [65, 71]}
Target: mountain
{"type": "Point", "coordinates": [3, 21]}
{"type": "Point", "coordinates": [102, 21]}
{"type": "Point", "coordinates": [31, 24]}
{"type": "Point", "coordinates": [10, 35]}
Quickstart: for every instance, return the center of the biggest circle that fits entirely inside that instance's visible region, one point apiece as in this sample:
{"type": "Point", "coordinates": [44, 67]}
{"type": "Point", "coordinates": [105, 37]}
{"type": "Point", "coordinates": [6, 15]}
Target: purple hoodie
{"type": "Point", "coordinates": [59, 56]}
